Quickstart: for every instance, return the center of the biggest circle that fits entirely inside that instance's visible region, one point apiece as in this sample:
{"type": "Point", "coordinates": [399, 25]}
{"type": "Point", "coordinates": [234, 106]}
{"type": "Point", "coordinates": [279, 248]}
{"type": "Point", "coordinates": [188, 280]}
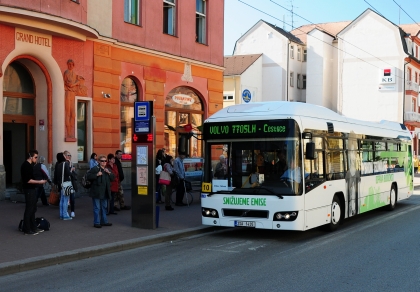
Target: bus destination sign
{"type": "Point", "coordinates": [246, 129]}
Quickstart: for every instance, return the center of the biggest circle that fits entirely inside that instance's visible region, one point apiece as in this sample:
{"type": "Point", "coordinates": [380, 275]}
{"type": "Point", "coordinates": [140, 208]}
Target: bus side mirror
{"type": "Point", "coordinates": [310, 151]}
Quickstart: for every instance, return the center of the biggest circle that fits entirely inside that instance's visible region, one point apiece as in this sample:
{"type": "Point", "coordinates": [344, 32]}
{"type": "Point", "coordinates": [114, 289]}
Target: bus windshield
{"type": "Point", "coordinates": [259, 166]}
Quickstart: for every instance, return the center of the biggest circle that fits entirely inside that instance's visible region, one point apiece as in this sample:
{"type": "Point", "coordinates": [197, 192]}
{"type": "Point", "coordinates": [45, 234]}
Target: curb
{"type": "Point", "coordinates": [88, 252]}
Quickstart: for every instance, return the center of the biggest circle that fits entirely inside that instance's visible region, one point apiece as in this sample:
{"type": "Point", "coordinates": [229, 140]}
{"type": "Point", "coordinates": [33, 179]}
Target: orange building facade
{"type": "Point", "coordinates": [122, 52]}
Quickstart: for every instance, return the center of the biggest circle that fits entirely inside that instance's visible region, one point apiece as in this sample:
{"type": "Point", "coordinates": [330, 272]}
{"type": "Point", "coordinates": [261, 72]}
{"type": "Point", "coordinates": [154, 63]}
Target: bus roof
{"type": "Point", "coordinates": [284, 110]}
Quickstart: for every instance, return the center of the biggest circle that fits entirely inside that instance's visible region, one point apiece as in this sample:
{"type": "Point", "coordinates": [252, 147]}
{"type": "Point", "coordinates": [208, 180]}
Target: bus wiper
{"type": "Point", "coordinates": [270, 191]}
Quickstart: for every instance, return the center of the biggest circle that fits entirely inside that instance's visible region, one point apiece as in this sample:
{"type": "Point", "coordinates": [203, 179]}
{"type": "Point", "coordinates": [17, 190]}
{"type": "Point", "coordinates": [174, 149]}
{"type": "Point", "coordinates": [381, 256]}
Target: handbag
{"type": "Point", "coordinates": [54, 198]}
{"type": "Point", "coordinates": [66, 186]}
{"type": "Point", "coordinates": [164, 178]}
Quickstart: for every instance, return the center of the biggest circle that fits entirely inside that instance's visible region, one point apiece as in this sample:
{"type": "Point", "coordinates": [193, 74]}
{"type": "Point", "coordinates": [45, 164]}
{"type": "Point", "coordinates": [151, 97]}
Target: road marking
{"type": "Point", "coordinates": [257, 247]}
{"type": "Point", "coordinates": [222, 250]}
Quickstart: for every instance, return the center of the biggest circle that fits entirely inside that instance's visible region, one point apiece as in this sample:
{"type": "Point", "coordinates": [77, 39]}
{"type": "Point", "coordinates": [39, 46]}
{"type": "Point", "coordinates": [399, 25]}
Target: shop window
{"type": "Point", "coordinates": [128, 95]}
{"type": "Point", "coordinates": [132, 11]}
{"type": "Point", "coordinates": [200, 21]}
{"type": "Point", "coordinates": [183, 106]}
{"type": "Point", "coordinates": [169, 16]}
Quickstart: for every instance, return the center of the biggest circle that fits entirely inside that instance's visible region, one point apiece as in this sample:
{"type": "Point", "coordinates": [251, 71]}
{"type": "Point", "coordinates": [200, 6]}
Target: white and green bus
{"type": "Point", "coordinates": [296, 166]}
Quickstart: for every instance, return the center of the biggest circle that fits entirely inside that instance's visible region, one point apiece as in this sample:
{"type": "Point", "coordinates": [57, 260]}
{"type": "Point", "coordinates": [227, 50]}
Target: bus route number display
{"type": "Point", "coordinates": [247, 129]}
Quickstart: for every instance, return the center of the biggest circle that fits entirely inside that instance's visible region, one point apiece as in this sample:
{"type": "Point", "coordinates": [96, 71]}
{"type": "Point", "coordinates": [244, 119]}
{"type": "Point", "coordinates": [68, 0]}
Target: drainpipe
{"type": "Point", "coordinates": [287, 73]}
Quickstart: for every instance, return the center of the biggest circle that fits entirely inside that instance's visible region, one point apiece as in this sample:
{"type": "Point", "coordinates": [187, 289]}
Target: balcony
{"type": "Point", "coordinates": [412, 119]}
{"type": "Point", "coordinates": [410, 85]}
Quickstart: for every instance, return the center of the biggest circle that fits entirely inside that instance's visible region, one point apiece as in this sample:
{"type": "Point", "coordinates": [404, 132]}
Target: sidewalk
{"type": "Point", "coordinates": [77, 239]}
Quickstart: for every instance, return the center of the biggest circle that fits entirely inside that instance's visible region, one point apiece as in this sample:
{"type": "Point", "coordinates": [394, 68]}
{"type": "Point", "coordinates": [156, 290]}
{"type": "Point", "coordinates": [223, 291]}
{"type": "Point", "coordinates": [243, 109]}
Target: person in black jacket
{"type": "Point", "coordinates": [119, 198]}
{"type": "Point", "coordinates": [39, 174]}
{"type": "Point", "coordinates": [28, 184]}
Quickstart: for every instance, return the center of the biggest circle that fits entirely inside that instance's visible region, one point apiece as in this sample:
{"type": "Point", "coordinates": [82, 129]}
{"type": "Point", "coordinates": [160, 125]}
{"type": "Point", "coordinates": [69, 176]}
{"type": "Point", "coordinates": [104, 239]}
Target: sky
{"type": "Point", "coordinates": [240, 17]}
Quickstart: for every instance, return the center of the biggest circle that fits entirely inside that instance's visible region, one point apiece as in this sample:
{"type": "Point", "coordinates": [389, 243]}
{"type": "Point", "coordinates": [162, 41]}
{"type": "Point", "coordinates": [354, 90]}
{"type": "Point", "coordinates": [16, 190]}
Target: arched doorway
{"type": "Point", "coordinates": [18, 118]}
{"type": "Point", "coordinates": [183, 106]}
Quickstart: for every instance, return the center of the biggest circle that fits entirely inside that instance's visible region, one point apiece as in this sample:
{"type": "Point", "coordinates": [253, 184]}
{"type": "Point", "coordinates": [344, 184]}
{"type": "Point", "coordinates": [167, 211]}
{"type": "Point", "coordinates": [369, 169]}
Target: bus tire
{"type": "Point", "coordinates": [392, 198]}
{"type": "Point", "coordinates": [336, 214]}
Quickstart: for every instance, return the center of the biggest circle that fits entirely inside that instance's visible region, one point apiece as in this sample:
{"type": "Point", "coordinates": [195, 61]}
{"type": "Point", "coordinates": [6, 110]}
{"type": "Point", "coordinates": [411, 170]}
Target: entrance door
{"type": "Point", "coordinates": [18, 119]}
{"type": "Point", "coordinates": [18, 139]}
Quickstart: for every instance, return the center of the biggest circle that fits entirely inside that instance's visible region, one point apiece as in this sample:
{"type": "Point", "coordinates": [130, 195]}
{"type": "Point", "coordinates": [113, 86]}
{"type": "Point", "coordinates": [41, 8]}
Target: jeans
{"type": "Point", "coordinates": [99, 211]}
{"type": "Point", "coordinates": [30, 209]}
{"type": "Point", "coordinates": [111, 202]}
{"type": "Point", "coordinates": [64, 202]}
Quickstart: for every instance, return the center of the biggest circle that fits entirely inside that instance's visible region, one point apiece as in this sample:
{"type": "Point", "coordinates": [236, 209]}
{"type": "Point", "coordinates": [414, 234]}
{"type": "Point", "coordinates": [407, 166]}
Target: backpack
{"type": "Point", "coordinates": [42, 223]}
{"type": "Point", "coordinates": [85, 182]}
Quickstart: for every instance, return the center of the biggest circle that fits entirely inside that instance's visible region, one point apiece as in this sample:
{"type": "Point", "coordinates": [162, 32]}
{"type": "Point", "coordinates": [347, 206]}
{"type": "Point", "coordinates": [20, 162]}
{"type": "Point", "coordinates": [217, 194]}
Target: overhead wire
{"type": "Point", "coordinates": [367, 62]}
{"type": "Point", "coordinates": [406, 13]}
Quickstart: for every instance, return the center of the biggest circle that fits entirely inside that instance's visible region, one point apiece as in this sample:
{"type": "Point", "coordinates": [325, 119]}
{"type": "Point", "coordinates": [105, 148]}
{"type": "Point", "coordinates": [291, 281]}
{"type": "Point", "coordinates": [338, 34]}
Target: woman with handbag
{"type": "Point", "coordinates": [62, 180]}
{"type": "Point", "coordinates": [168, 167]}
{"type": "Point", "coordinates": [159, 167]}
{"type": "Point", "coordinates": [100, 191]}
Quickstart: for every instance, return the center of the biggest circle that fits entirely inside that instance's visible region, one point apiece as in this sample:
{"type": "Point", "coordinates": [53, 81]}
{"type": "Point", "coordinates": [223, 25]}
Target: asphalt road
{"type": "Point", "coordinates": [378, 251]}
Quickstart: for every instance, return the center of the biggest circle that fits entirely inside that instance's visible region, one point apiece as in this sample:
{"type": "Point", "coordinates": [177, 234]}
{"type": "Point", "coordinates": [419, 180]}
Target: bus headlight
{"type": "Point", "coordinates": [206, 212]}
{"type": "Point", "coordinates": [285, 216]}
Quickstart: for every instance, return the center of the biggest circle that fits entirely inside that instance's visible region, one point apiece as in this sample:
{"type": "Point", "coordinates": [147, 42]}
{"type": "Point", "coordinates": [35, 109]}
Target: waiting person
{"type": "Point", "coordinates": [159, 163]}
{"type": "Point", "coordinates": [168, 167]}
{"type": "Point", "coordinates": [93, 160]}
{"type": "Point", "coordinates": [73, 177]}
{"type": "Point", "coordinates": [119, 203]}
{"type": "Point", "coordinates": [180, 170]}
{"type": "Point", "coordinates": [100, 191]}
{"type": "Point", "coordinates": [28, 184]}
{"type": "Point", "coordinates": [114, 183]}
{"type": "Point", "coordinates": [61, 174]}
{"type": "Point", "coordinates": [41, 173]}
{"type": "Point", "coordinates": [221, 168]}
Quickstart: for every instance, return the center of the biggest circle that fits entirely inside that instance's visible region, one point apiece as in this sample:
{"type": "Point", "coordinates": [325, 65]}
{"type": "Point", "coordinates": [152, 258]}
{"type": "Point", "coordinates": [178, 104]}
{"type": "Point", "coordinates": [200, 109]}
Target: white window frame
{"type": "Point", "coordinates": [298, 81]}
{"type": "Point", "coordinates": [298, 54]}
{"type": "Point", "coordinates": [172, 3]}
{"type": "Point", "coordinates": [305, 55]}
{"type": "Point", "coordinates": [291, 79]}
{"type": "Point", "coordinates": [292, 52]}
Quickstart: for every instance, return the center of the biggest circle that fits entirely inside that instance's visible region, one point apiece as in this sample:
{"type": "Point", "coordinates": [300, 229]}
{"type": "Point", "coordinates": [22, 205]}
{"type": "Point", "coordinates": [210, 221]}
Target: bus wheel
{"type": "Point", "coordinates": [392, 198]}
{"type": "Point", "coordinates": [335, 214]}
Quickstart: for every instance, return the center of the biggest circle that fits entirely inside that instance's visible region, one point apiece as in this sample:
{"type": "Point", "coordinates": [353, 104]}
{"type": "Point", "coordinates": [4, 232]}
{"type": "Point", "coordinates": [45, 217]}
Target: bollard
{"type": "Point", "coordinates": [157, 216]}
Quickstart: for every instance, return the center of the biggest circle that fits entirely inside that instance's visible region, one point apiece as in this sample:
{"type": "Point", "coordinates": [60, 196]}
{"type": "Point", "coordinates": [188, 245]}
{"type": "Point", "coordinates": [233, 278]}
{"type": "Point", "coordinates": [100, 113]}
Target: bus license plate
{"type": "Point", "coordinates": [245, 223]}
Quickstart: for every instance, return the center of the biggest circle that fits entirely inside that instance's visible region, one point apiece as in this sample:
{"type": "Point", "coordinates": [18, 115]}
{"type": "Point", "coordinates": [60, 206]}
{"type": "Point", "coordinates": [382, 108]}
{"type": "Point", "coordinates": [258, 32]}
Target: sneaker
{"type": "Point", "coordinates": [97, 226]}
{"type": "Point", "coordinates": [30, 233]}
{"type": "Point", "coordinates": [72, 215]}
{"type": "Point", "coordinates": [39, 230]}
{"type": "Point", "coordinates": [67, 218]}
{"type": "Point", "coordinates": [106, 224]}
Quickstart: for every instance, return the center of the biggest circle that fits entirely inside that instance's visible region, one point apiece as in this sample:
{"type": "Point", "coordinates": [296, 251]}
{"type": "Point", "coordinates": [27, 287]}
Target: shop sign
{"type": "Point", "coordinates": [25, 36]}
{"type": "Point", "coordinates": [387, 75]}
{"type": "Point", "coordinates": [183, 99]}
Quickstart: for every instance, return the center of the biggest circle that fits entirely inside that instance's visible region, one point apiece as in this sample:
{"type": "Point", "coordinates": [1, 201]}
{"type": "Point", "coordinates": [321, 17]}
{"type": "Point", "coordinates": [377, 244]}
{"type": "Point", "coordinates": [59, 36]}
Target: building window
{"type": "Point", "coordinates": [415, 76]}
{"type": "Point", "coordinates": [132, 11]}
{"type": "Point", "coordinates": [298, 81]}
{"type": "Point", "coordinates": [298, 54]}
{"type": "Point", "coordinates": [227, 97]}
{"type": "Point", "coordinates": [304, 55]}
{"type": "Point", "coordinates": [75, 1]}
{"type": "Point", "coordinates": [417, 52]}
{"type": "Point", "coordinates": [291, 79]}
{"type": "Point", "coordinates": [409, 74]}
{"type": "Point", "coordinates": [128, 95]}
{"type": "Point", "coordinates": [169, 15]}
{"type": "Point", "coordinates": [200, 21]}
{"type": "Point", "coordinates": [413, 105]}
{"type": "Point", "coordinates": [303, 81]}
{"type": "Point", "coordinates": [292, 52]}
{"type": "Point", "coordinates": [183, 106]}
{"type": "Point", "coordinates": [81, 131]}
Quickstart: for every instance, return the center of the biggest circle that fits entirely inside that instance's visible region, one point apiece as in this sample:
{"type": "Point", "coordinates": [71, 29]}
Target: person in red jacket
{"type": "Point", "coordinates": [114, 184]}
